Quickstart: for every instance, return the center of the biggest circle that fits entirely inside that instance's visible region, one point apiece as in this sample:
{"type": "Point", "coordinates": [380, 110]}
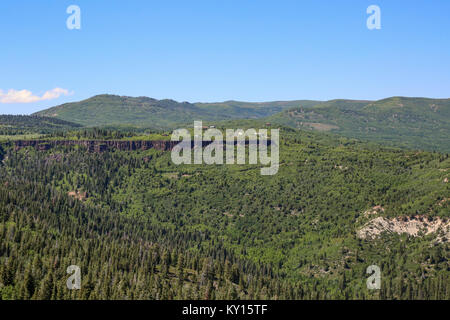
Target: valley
{"type": "Point", "coordinates": [221, 232]}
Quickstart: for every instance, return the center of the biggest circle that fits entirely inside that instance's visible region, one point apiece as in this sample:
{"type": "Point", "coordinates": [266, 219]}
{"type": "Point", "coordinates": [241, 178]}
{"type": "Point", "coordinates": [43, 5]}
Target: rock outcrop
{"type": "Point", "coordinates": [105, 145]}
{"type": "Point", "coordinates": [412, 226]}
{"type": "Point", "coordinates": [98, 145]}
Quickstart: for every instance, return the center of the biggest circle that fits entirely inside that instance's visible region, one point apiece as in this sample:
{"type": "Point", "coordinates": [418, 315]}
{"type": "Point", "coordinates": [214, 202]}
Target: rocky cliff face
{"type": "Point", "coordinates": [97, 145]}
{"type": "Point", "coordinates": [104, 145]}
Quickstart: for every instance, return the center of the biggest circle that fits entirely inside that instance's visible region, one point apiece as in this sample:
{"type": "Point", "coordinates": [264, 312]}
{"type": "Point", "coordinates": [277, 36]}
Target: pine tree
{"type": "Point", "coordinates": [46, 289]}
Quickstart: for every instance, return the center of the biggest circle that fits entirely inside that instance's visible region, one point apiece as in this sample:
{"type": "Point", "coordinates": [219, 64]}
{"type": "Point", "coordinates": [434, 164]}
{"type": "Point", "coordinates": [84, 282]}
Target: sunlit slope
{"type": "Point", "coordinates": [103, 110]}
{"type": "Point", "coordinates": [418, 123]}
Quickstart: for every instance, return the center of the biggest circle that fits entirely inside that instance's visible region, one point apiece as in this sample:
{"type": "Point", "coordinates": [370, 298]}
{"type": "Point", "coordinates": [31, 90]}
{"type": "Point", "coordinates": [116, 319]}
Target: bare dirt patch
{"type": "Point", "coordinates": [320, 126]}
{"type": "Point", "coordinates": [413, 226]}
{"type": "Point", "coordinates": [80, 195]}
{"type": "Point", "coordinates": [375, 210]}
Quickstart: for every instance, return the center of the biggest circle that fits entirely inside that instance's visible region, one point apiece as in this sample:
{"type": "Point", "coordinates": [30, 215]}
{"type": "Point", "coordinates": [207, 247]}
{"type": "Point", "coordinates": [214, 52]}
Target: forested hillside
{"type": "Point", "coordinates": [105, 110]}
{"type": "Point", "coordinates": [11, 125]}
{"type": "Point", "coordinates": [416, 123]}
{"type": "Point", "coordinates": [141, 227]}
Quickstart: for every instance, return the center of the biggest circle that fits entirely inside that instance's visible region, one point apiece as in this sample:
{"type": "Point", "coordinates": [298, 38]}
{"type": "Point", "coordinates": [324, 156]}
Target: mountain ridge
{"type": "Point", "coordinates": [419, 123]}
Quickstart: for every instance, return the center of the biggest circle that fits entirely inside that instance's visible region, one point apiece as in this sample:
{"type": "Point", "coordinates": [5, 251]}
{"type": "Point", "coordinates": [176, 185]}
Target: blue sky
{"type": "Point", "coordinates": [250, 50]}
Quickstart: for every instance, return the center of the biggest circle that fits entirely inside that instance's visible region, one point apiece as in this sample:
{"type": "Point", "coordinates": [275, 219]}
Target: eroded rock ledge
{"type": "Point", "coordinates": [98, 145]}
{"type": "Point", "coordinates": [413, 226]}
{"type": "Point", "coordinates": [106, 145]}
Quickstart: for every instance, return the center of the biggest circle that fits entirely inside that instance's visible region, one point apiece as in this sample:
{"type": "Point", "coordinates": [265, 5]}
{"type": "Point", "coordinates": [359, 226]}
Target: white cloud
{"type": "Point", "coordinates": [26, 96]}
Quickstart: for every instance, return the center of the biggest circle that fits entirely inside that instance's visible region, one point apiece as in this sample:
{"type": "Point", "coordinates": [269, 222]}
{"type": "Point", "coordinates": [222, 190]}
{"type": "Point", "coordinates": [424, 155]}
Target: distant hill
{"type": "Point", "coordinates": [252, 110]}
{"type": "Point", "coordinates": [410, 122]}
{"type": "Point", "coordinates": [419, 123]}
{"type": "Point", "coordinates": [109, 110]}
{"type": "Point", "coordinates": [21, 124]}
